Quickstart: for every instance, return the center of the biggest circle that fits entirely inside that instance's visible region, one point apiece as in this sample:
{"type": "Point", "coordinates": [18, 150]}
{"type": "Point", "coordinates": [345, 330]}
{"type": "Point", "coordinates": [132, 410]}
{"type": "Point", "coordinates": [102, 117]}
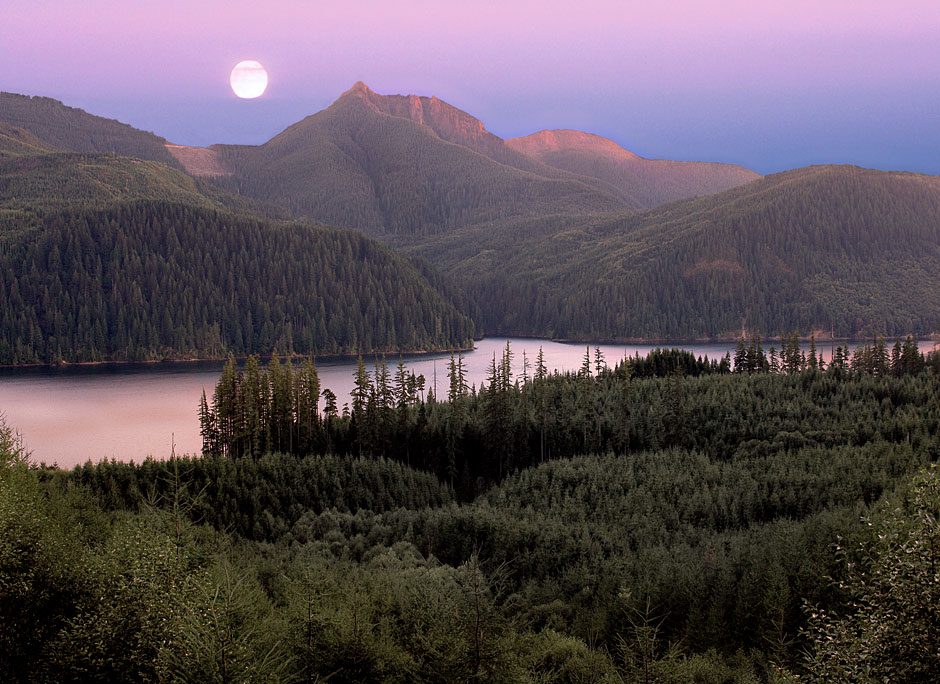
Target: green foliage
{"type": "Point", "coordinates": [225, 631]}
{"type": "Point", "coordinates": [85, 596]}
{"type": "Point", "coordinates": [37, 575]}
{"type": "Point", "coordinates": [667, 399]}
{"type": "Point", "coordinates": [839, 249]}
{"type": "Point", "coordinates": [683, 553]}
{"type": "Point", "coordinates": [119, 283]}
{"type": "Point", "coordinates": [125, 612]}
{"type": "Point", "coordinates": [890, 623]}
{"type": "Point", "coordinates": [12, 451]}
{"type": "Point", "coordinates": [263, 498]}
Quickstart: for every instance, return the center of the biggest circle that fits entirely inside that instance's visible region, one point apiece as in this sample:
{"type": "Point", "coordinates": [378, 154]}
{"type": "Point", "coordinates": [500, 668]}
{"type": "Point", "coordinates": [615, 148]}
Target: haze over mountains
{"type": "Point", "coordinates": [638, 181]}
{"type": "Point", "coordinates": [559, 233]}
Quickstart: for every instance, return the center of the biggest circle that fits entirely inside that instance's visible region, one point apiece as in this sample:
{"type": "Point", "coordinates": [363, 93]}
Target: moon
{"type": "Point", "coordinates": [249, 79]}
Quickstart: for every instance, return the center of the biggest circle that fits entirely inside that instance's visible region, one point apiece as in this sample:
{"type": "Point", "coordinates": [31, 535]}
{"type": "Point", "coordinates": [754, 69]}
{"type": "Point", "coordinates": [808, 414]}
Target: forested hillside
{"type": "Point", "coordinates": [149, 279]}
{"type": "Point", "coordinates": [716, 534]}
{"type": "Point", "coordinates": [32, 184]}
{"type": "Point", "coordinates": [55, 180]}
{"type": "Point", "coordinates": [74, 130]}
{"type": "Point", "coordinates": [840, 249]}
{"type": "Point", "coordinates": [533, 249]}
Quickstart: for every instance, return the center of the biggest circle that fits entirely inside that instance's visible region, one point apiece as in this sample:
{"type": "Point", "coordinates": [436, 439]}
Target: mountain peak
{"type": "Point", "coordinates": [445, 120]}
{"type": "Point", "coordinates": [360, 88]}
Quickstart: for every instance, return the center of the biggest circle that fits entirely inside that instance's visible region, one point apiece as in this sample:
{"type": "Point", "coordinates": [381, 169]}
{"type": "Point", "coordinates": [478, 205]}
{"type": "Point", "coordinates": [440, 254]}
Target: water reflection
{"type": "Point", "coordinates": [73, 414]}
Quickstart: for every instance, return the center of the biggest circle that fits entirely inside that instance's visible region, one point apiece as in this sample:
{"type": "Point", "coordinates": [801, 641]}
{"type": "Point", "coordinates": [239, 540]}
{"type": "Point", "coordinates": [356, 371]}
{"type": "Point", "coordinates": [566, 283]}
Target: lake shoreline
{"type": "Point", "coordinates": [627, 341]}
{"type": "Point", "coordinates": [222, 359]}
{"type": "Point", "coordinates": [128, 411]}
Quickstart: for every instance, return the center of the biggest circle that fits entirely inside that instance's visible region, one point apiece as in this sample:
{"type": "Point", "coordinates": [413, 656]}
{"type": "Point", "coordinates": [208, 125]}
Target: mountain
{"type": "Point", "coordinates": [831, 248]}
{"type": "Point", "coordinates": [152, 279]}
{"type": "Point", "coordinates": [639, 182]}
{"type": "Point", "coordinates": [113, 257]}
{"type": "Point", "coordinates": [390, 165]}
{"type": "Point", "coordinates": [52, 156]}
{"type": "Point", "coordinates": [73, 130]}
{"type": "Point", "coordinates": [460, 128]}
{"type": "Point", "coordinates": [32, 184]}
{"type": "Point", "coordinates": [541, 233]}
{"type": "Point", "coordinates": [403, 166]}
{"type": "Point", "coordinates": [406, 166]}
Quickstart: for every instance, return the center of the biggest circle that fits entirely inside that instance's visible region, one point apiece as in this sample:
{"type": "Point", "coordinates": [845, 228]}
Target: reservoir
{"type": "Point", "coordinates": [74, 414]}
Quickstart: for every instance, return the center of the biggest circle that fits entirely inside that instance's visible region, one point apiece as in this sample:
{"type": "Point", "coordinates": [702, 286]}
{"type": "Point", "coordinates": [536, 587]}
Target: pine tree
{"type": "Point", "coordinates": [541, 372]}
{"type": "Point", "coordinates": [740, 356]}
{"type": "Point", "coordinates": [586, 364]}
{"type": "Point", "coordinates": [599, 363]}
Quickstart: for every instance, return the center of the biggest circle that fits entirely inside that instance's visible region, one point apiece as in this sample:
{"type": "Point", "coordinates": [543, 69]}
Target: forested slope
{"type": "Point", "coordinates": [150, 279]}
{"type": "Point", "coordinates": [835, 248]}
{"type": "Point", "coordinates": [34, 183]}
{"type": "Point", "coordinates": [712, 538]}
{"type": "Point", "coordinates": [74, 130]}
{"type": "Point", "coordinates": [55, 180]}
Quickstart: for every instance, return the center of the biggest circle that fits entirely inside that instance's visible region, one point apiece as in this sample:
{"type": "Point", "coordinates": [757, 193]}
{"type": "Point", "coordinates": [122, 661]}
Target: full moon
{"type": "Point", "coordinates": [249, 79]}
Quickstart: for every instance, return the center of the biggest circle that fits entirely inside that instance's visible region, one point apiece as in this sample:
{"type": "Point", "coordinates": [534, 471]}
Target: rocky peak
{"type": "Point", "coordinates": [448, 122]}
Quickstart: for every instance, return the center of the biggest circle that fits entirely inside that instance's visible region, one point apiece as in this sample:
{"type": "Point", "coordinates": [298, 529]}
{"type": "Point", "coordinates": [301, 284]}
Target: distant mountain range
{"type": "Point", "coordinates": [637, 181]}
{"type": "Point", "coordinates": [559, 233]}
{"type": "Point", "coordinates": [390, 164]}
{"type": "Point", "coordinates": [112, 257]}
{"type": "Point", "coordinates": [409, 165]}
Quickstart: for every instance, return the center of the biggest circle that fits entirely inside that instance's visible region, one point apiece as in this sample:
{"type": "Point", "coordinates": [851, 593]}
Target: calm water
{"type": "Point", "coordinates": [128, 412]}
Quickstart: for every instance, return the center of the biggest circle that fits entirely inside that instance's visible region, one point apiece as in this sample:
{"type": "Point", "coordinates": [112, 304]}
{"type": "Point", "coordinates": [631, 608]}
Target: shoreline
{"type": "Point", "coordinates": [222, 359]}
{"type": "Point", "coordinates": [627, 341]}
{"type": "Point", "coordinates": [719, 339]}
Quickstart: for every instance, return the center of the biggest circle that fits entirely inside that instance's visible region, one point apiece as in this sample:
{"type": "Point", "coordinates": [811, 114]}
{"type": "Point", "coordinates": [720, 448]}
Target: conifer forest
{"type": "Point", "coordinates": [762, 517]}
{"type": "Point", "coordinates": [768, 515]}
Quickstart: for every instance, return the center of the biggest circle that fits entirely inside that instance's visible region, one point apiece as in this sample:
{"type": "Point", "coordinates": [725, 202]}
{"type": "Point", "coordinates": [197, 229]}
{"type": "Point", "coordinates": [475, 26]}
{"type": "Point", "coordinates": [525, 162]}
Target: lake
{"type": "Point", "coordinates": [130, 411]}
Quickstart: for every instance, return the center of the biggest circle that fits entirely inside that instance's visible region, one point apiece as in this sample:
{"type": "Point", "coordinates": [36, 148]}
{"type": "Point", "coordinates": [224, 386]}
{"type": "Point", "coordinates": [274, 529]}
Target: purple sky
{"type": "Point", "coordinates": [768, 84]}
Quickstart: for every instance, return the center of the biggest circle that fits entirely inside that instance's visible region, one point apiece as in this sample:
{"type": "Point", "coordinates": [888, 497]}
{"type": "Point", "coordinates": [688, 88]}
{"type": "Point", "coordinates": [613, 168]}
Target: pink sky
{"type": "Point", "coordinates": [515, 64]}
